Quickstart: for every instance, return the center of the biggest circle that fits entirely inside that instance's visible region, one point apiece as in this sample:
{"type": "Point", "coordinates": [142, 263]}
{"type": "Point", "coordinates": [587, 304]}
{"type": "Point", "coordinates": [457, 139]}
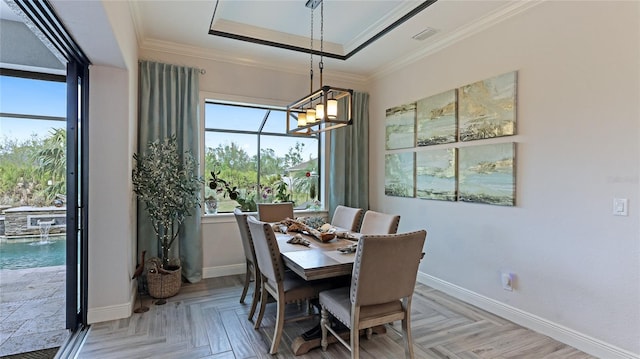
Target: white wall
{"type": "Point", "coordinates": [222, 248]}
{"type": "Point", "coordinates": [110, 248]}
{"type": "Point", "coordinates": [577, 265]}
{"type": "Point", "coordinates": [105, 32]}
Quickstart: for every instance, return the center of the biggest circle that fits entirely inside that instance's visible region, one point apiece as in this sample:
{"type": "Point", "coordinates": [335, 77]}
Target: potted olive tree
{"type": "Point", "coordinates": [170, 189]}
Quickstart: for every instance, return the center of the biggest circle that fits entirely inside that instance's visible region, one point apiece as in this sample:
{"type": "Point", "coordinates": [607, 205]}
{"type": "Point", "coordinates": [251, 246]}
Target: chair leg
{"type": "Point", "coordinates": [277, 333]}
{"type": "Point", "coordinates": [408, 341]}
{"type": "Point", "coordinates": [264, 296]}
{"type": "Point", "coordinates": [256, 296]}
{"type": "Point", "coordinates": [355, 342]}
{"type": "Point", "coordinates": [406, 329]}
{"type": "Point", "coordinates": [355, 332]}
{"type": "Point", "coordinates": [247, 279]}
{"type": "Point", "coordinates": [324, 321]}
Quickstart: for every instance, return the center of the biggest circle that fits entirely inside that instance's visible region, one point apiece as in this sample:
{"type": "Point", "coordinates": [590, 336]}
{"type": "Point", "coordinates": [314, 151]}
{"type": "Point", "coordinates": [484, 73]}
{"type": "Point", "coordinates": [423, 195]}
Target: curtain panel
{"type": "Point", "coordinates": [169, 105]}
{"type": "Point", "coordinates": [349, 158]}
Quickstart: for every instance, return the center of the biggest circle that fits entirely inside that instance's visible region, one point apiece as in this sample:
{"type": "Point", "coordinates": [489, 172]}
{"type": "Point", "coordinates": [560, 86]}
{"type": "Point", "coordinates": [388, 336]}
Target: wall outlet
{"type": "Point", "coordinates": [507, 281]}
{"type": "Point", "coordinates": [620, 207]}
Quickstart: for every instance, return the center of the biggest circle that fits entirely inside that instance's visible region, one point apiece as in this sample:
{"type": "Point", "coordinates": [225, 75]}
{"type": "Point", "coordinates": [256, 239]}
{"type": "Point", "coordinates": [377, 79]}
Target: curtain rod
{"type": "Point", "coordinates": [202, 71]}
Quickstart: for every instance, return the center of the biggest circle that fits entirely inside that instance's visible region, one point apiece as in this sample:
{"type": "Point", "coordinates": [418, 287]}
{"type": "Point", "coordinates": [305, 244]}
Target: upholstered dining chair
{"type": "Point", "coordinates": [275, 212]}
{"type": "Point", "coordinates": [284, 286]}
{"type": "Point", "coordinates": [250, 259]}
{"type": "Point", "coordinates": [379, 223]}
{"type": "Point", "coordinates": [347, 218]}
{"type": "Point", "coordinates": [382, 285]}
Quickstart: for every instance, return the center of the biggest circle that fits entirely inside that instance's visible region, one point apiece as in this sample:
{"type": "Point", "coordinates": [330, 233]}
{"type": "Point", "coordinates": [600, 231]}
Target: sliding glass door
{"type": "Point", "coordinates": [77, 194]}
{"type": "Point", "coordinates": [55, 36]}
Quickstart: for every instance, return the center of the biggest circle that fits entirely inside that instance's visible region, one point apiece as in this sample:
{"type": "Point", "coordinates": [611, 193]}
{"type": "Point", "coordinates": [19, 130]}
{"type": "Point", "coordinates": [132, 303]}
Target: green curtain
{"type": "Point", "coordinates": [169, 105]}
{"type": "Point", "coordinates": [349, 158]}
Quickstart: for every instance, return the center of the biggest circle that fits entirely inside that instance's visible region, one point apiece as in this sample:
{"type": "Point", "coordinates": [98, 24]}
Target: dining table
{"type": "Point", "coordinates": [317, 260]}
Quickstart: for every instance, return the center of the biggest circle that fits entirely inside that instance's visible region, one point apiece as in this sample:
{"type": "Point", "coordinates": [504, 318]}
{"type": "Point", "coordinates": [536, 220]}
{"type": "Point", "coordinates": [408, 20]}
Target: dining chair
{"type": "Point", "coordinates": [284, 286]}
{"type": "Point", "coordinates": [379, 223]}
{"type": "Point", "coordinates": [347, 218]}
{"type": "Point", "coordinates": [252, 269]}
{"type": "Point", "coordinates": [275, 212]}
{"type": "Point", "coordinates": [382, 285]}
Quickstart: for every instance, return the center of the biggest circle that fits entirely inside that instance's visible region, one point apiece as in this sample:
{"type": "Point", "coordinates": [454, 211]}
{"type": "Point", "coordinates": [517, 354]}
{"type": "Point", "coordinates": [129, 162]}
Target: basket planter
{"type": "Point", "coordinates": [164, 284]}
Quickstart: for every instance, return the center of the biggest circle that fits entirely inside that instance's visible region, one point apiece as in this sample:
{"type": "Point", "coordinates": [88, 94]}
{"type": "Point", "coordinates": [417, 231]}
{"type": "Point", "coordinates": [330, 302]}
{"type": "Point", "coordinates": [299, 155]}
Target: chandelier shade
{"type": "Point", "coordinates": [318, 111]}
{"type": "Point", "coordinates": [327, 97]}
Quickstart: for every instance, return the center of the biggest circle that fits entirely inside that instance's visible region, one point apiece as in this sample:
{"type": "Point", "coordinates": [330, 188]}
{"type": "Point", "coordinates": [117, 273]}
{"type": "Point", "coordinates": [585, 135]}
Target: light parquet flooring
{"type": "Point", "coordinates": [205, 320]}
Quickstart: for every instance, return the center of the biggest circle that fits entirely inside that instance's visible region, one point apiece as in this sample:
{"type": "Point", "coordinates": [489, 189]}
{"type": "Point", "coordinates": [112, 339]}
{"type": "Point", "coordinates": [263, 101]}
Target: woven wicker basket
{"type": "Point", "coordinates": [164, 285]}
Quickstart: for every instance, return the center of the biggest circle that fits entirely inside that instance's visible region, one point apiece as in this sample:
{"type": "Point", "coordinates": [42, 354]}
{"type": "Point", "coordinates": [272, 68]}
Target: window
{"type": "Point", "coordinates": [32, 145]}
{"type": "Point", "coordinates": [247, 147]}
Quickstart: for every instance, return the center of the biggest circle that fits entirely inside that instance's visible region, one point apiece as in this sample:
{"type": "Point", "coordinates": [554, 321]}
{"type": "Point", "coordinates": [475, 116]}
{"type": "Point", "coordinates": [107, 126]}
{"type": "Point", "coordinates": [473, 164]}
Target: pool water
{"type": "Point", "coordinates": [32, 254]}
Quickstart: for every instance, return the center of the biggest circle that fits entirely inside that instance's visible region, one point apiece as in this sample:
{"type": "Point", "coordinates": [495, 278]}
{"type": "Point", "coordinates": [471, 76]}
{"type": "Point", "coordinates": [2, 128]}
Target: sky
{"type": "Point", "coordinates": [28, 96]}
{"type": "Point", "coordinates": [38, 97]}
{"type": "Point", "coordinates": [248, 119]}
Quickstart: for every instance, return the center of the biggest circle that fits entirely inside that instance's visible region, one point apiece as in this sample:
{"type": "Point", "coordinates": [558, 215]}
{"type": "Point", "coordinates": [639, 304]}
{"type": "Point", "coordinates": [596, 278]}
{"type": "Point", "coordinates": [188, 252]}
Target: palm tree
{"type": "Point", "coordinates": [52, 162]}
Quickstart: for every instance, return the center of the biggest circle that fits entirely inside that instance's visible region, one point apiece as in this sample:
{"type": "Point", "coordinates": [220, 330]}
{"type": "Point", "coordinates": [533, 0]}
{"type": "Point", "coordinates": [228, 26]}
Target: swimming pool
{"type": "Point", "coordinates": [32, 254]}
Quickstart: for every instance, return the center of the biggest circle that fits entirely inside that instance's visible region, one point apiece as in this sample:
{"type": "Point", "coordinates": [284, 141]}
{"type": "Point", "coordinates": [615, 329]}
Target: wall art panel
{"type": "Point", "coordinates": [400, 127]}
{"type": "Point", "coordinates": [486, 174]}
{"type": "Point", "coordinates": [399, 174]}
{"type": "Point", "coordinates": [436, 119]}
{"type": "Point", "coordinates": [487, 109]}
{"type": "Point", "coordinates": [436, 174]}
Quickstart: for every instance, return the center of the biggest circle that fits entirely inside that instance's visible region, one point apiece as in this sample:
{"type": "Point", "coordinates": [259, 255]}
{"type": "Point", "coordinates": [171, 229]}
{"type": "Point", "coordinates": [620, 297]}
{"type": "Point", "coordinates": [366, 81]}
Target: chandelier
{"type": "Point", "coordinates": [318, 111]}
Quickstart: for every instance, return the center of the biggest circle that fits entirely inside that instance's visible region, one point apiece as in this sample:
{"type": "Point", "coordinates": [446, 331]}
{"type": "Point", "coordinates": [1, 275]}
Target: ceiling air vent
{"type": "Point", "coordinates": [424, 34]}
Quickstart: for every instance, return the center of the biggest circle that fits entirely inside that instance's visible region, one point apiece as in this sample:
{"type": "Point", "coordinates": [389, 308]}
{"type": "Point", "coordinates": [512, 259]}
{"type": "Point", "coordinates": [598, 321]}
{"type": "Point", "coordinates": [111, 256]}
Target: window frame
{"type": "Point", "coordinates": [269, 105]}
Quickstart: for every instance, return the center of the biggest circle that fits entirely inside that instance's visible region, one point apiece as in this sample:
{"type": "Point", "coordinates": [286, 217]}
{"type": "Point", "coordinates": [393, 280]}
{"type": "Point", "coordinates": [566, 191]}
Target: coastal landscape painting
{"type": "Point", "coordinates": [399, 174]}
{"type": "Point", "coordinates": [400, 127]}
{"type": "Point", "coordinates": [436, 174]}
{"type": "Point", "coordinates": [486, 174]}
{"type": "Point", "coordinates": [436, 119]}
{"type": "Point", "coordinates": [487, 109]}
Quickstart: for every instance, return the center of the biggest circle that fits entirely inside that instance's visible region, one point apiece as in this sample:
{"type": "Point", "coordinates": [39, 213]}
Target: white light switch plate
{"type": "Point", "coordinates": [620, 207]}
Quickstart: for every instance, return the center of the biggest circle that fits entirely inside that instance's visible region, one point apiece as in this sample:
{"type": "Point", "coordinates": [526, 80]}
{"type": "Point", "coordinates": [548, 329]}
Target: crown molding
{"type": "Point", "coordinates": [210, 54]}
{"type": "Point", "coordinates": [379, 25]}
{"type": "Point", "coordinates": [135, 11]}
{"type": "Point", "coordinates": [463, 32]}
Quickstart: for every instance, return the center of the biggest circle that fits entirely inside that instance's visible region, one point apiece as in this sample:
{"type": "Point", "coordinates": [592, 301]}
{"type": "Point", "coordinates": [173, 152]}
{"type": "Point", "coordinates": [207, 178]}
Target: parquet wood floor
{"type": "Point", "coordinates": [206, 320]}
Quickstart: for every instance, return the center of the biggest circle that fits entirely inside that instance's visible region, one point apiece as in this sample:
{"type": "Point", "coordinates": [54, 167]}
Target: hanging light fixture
{"type": "Point", "coordinates": [318, 111]}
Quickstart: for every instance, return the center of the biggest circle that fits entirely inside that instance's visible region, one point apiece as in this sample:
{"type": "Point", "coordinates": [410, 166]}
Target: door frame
{"type": "Point", "coordinates": [42, 15]}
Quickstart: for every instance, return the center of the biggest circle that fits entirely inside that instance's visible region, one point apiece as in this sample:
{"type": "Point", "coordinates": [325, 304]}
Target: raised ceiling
{"type": "Point", "coordinates": [184, 26]}
{"type": "Point", "coordinates": [362, 28]}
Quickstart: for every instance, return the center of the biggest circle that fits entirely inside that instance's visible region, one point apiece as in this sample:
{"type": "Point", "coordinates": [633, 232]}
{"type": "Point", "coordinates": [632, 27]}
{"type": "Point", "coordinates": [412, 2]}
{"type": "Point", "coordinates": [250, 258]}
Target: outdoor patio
{"type": "Point", "coordinates": [32, 309]}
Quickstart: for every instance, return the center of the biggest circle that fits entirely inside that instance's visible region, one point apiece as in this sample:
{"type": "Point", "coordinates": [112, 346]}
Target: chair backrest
{"type": "Point", "coordinates": [245, 235]}
{"type": "Point", "coordinates": [267, 250]}
{"type": "Point", "coordinates": [385, 267]}
{"type": "Point", "coordinates": [275, 212]}
{"type": "Point", "coordinates": [347, 218]}
{"type": "Point", "coordinates": [379, 223]}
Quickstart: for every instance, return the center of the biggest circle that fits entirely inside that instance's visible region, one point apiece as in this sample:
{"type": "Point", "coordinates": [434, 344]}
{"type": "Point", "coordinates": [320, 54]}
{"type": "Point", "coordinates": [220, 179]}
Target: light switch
{"type": "Point", "coordinates": [620, 207]}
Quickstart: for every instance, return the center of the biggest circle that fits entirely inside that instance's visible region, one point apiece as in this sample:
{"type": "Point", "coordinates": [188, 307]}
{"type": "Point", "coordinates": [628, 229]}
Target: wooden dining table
{"type": "Point", "coordinates": [319, 260]}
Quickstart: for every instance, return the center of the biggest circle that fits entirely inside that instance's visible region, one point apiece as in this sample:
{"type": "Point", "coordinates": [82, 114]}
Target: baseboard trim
{"type": "Point", "coordinates": [221, 271]}
{"type": "Point", "coordinates": [112, 312]}
{"type": "Point", "coordinates": [556, 331]}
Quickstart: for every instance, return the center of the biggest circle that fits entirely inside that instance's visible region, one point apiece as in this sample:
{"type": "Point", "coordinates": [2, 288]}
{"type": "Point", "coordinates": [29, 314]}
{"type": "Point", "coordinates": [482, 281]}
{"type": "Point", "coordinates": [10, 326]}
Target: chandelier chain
{"type": "Point", "coordinates": [311, 54]}
{"type": "Point", "coordinates": [321, 64]}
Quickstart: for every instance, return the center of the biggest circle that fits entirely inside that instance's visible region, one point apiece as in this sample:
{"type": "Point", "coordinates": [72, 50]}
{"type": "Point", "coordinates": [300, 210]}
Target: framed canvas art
{"type": "Point", "coordinates": [436, 174]}
{"type": "Point", "coordinates": [436, 119]}
{"type": "Point", "coordinates": [486, 174]}
{"type": "Point", "coordinates": [399, 174]}
{"type": "Point", "coordinates": [487, 109]}
{"type": "Point", "coordinates": [400, 127]}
